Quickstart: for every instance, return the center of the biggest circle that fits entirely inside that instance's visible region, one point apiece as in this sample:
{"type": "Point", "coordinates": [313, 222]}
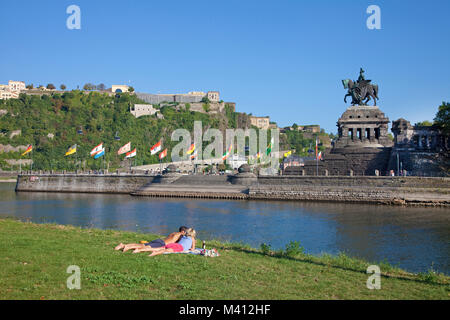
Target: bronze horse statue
{"type": "Point", "coordinates": [360, 91]}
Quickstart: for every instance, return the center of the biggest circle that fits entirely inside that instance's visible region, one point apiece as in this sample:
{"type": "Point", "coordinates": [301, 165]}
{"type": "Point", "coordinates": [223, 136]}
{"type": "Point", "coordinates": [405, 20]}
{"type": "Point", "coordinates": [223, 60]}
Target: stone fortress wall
{"type": "Point", "coordinates": [193, 97]}
{"type": "Point", "coordinates": [194, 100]}
{"type": "Point", "coordinates": [160, 98]}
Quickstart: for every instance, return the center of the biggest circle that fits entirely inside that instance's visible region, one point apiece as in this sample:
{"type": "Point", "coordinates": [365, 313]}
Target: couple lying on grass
{"type": "Point", "coordinates": [180, 241]}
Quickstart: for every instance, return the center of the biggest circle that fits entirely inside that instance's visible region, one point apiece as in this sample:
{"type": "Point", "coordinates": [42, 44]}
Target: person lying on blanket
{"type": "Point", "coordinates": [185, 243]}
{"type": "Point", "coordinates": [155, 244]}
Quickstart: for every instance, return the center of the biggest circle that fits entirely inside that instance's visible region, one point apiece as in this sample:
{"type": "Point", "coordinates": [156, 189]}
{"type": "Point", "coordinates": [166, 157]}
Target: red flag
{"type": "Point", "coordinates": [317, 147]}
{"type": "Point", "coordinates": [163, 154]}
{"type": "Point", "coordinates": [97, 149]}
{"type": "Point", "coordinates": [131, 154]}
{"type": "Point", "coordinates": [125, 148]}
{"type": "Point", "coordinates": [156, 148]}
{"type": "Point", "coordinates": [191, 149]}
{"type": "Point", "coordinates": [29, 149]}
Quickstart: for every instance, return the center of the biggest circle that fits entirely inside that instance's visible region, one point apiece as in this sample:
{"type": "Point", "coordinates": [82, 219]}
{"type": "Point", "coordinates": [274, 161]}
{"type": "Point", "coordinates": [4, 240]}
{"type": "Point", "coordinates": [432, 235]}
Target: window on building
{"type": "Point", "coordinates": [358, 133]}
{"type": "Point", "coordinates": [377, 133]}
{"type": "Point", "coordinates": [350, 133]}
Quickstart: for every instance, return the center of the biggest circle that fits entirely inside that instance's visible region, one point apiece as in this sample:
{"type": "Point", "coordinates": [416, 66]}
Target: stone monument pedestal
{"type": "Point", "coordinates": [363, 127]}
{"type": "Point", "coordinates": [363, 145]}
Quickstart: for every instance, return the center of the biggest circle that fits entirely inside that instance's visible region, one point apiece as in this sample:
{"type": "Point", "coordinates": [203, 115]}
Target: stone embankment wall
{"type": "Point", "coordinates": [82, 183]}
{"type": "Point", "coordinates": [357, 181]}
{"type": "Point", "coordinates": [392, 196]}
{"type": "Point", "coordinates": [382, 190]}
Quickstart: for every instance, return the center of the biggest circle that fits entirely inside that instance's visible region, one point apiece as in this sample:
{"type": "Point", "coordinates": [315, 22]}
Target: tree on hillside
{"type": "Point", "coordinates": [206, 107]}
{"type": "Point", "coordinates": [130, 89]}
{"type": "Point", "coordinates": [51, 86]}
{"type": "Point", "coordinates": [89, 87]}
{"type": "Point", "coordinates": [63, 87]}
{"type": "Point", "coordinates": [442, 118]}
{"type": "Point", "coordinates": [30, 86]}
{"type": "Point", "coordinates": [425, 123]}
{"type": "Point", "coordinates": [205, 100]}
{"type": "Point", "coordinates": [101, 87]}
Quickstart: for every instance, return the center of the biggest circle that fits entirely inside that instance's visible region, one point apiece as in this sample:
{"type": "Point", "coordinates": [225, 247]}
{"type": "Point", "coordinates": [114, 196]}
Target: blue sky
{"type": "Point", "coordinates": [284, 59]}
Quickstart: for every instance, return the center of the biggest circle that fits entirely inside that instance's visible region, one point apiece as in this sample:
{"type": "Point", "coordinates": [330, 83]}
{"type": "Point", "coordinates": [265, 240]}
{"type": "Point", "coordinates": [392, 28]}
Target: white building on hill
{"type": "Point", "coordinates": [11, 90]}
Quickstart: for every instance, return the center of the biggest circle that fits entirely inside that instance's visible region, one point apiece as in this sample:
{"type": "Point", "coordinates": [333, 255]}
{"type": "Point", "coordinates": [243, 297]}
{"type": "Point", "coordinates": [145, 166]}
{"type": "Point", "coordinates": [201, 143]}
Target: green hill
{"type": "Point", "coordinates": [99, 116]}
{"type": "Point", "coordinates": [51, 123]}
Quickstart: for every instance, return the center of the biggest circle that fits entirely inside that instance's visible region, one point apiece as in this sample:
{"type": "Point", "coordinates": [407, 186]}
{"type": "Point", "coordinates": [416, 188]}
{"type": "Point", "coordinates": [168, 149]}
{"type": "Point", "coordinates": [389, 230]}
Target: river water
{"type": "Point", "coordinates": [414, 239]}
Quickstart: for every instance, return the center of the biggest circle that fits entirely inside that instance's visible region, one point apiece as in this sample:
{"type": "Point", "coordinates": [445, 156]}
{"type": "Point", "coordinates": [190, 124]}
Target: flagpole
{"type": "Point", "coordinates": [317, 159]}
{"type": "Point", "coordinates": [317, 166]}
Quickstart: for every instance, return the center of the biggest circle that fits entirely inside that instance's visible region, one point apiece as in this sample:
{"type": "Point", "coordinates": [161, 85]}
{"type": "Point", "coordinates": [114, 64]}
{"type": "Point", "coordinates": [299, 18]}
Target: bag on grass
{"type": "Point", "coordinates": [210, 253]}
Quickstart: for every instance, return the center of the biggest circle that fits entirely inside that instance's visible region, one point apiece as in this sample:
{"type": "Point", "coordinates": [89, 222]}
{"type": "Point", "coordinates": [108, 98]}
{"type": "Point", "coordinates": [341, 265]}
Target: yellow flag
{"type": "Point", "coordinates": [29, 149]}
{"type": "Point", "coordinates": [71, 150]}
{"type": "Point", "coordinates": [191, 149]}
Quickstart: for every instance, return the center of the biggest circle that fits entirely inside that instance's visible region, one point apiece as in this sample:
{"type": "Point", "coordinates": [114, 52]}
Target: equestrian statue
{"type": "Point", "coordinates": [361, 91]}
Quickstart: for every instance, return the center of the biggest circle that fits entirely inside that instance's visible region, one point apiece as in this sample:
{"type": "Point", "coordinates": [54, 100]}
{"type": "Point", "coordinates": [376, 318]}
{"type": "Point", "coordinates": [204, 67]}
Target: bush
{"type": "Point", "coordinates": [266, 248]}
{"type": "Point", "coordinates": [431, 276]}
{"type": "Point", "coordinates": [206, 107]}
{"type": "Point", "coordinates": [294, 249]}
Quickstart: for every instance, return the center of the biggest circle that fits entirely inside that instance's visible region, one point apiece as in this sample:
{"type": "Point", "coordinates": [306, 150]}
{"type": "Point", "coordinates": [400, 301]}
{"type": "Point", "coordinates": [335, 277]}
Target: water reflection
{"type": "Point", "coordinates": [413, 238]}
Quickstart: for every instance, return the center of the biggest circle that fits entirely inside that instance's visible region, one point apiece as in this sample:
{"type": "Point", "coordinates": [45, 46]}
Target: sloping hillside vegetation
{"type": "Point", "coordinates": [54, 123]}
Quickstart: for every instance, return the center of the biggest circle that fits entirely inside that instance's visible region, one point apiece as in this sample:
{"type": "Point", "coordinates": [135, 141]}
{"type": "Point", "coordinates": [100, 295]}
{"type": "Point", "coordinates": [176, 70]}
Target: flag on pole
{"type": "Point", "coordinates": [287, 154]}
{"type": "Point", "coordinates": [317, 147]}
{"type": "Point", "coordinates": [269, 147]}
{"type": "Point", "coordinates": [163, 154]}
{"type": "Point", "coordinates": [100, 153]}
{"type": "Point", "coordinates": [227, 153]}
{"type": "Point", "coordinates": [191, 149]}
{"type": "Point", "coordinates": [319, 156]}
{"type": "Point", "coordinates": [29, 149]}
{"type": "Point", "coordinates": [194, 155]}
{"type": "Point", "coordinates": [131, 154]}
{"type": "Point", "coordinates": [156, 148]}
{"type": "Point", "coordinates": [71, 150]}
{"type": "Point", "coordinates": [97, 149]}
{"type": "Point", "coordinates": [126, 148]}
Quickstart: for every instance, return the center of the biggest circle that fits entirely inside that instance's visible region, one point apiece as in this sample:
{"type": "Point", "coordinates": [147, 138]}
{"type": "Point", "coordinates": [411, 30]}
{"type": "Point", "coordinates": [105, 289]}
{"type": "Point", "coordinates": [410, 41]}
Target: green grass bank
{"type": "Point", "coordinates": [34, 259]}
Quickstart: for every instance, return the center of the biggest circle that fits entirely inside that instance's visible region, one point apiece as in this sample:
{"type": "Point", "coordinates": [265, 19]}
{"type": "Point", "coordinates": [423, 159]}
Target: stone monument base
{"type": "Point", "coordinates": [351, 161]}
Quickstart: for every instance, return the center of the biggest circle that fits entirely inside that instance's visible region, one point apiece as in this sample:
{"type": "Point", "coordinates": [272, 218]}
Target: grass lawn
{"type": "Point", "coordinates": [34, 259]}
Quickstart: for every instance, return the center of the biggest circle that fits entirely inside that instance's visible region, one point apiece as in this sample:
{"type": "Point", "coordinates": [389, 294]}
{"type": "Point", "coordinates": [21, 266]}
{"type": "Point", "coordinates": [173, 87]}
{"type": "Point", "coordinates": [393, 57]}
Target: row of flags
{"type": "Point", "coordinates": [99, 151]}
